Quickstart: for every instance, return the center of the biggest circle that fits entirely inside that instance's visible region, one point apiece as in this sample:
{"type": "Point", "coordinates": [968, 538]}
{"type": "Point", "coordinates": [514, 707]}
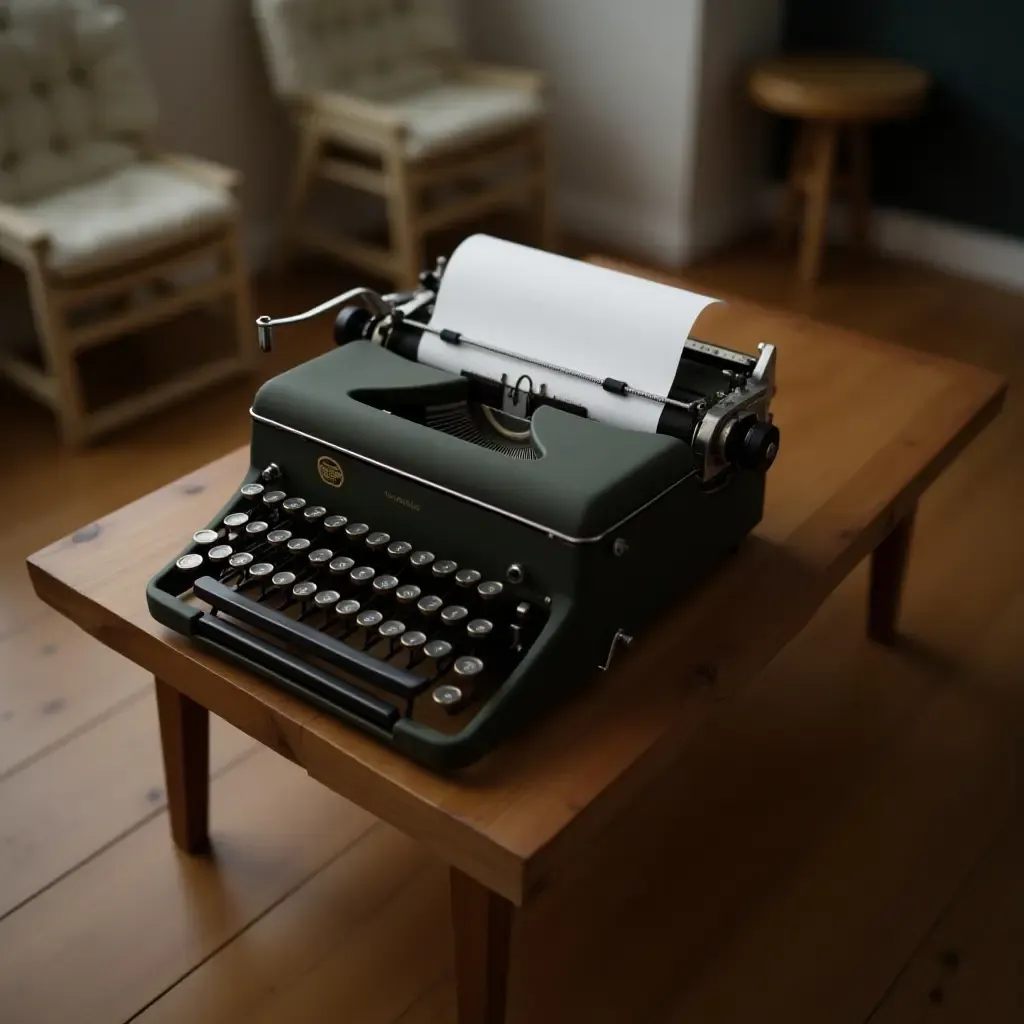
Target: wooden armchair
{"type": "Point", "coordinates": [112, 236]}
{"type": "Point", "coordinates": [384, 104]}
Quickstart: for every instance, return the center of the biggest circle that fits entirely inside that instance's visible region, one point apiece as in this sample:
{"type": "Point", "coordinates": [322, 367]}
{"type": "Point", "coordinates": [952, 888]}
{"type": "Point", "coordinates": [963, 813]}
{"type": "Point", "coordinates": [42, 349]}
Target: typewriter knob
{"type": "Point", "coordinates": [351, 324]}
{"type": "Point", "coordinates": [753, 444]}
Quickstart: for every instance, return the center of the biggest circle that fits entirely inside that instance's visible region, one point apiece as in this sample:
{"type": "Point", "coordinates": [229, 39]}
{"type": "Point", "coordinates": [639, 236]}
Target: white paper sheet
{"type": "Point", "coordinates": [566, 312]}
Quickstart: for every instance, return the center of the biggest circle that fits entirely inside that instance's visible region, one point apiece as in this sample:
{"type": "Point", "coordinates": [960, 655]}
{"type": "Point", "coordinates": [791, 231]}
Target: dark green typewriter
{"type": "Point", "coordinates": [436, 557]}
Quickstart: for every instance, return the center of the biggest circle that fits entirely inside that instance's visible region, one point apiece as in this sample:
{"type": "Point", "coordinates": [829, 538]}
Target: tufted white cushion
{"type": "Point", "coordinates": [74, 99]}
{"type": "Point", "coordinates": [125, 214]}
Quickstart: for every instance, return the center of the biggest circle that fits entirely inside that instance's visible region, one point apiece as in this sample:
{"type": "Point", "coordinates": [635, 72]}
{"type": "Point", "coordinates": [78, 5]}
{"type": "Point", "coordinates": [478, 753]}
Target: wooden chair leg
{"type": "Point", "coordinates": [793, 198]}
{"type": "Point", "coordinates": [245, 323]}
{"type": "Point", "coordinates": [819, 194]}
{"type": "Point", "coordinates": [303, 176]}
{"type": "Point", "coordinates": [406, 236]}
{"type": "Point", "coordinates": [482, 922]}
{"type": "Point", "coordinates": [185, 739]}
{"type": "Point", "coordinates": [547, 232]}
{"type": "Point", "coordinates": [888, 570]}
{"type": "Point", "coordinates": [860, 176]}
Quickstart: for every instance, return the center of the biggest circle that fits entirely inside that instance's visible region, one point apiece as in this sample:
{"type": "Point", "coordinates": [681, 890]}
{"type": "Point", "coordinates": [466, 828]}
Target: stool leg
{"type": "Point", "coordinates": [819, 192]}
{"type": "Point", "coordinates": [793, 199]}
{"type": "Point", "coordinates": [859, 185]}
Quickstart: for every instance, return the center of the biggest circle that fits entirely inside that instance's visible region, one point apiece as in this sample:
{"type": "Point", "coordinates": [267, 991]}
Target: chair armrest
{"type": "Point", "coordinates": [494, 74]}
{"type": "Point", "coordinates": [205, 171]}
{"type": "Point", "coordinates": [19, 234]}
{"type": "Point", "coordinates": [375, 121]}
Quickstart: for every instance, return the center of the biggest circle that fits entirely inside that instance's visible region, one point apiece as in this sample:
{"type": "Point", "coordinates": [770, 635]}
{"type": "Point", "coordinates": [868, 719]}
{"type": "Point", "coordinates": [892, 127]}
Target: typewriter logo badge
{"type": "Point", "coordinates": [330, 472]}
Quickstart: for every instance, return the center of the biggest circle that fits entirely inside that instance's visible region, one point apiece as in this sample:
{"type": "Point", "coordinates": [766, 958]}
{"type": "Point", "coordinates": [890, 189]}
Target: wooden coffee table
{"type": "Point", "coordinates": [866, 427]}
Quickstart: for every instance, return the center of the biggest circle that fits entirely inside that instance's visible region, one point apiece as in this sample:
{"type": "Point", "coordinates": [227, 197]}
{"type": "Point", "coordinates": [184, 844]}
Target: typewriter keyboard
{"type": "Point", "coordinates": [432, 637]}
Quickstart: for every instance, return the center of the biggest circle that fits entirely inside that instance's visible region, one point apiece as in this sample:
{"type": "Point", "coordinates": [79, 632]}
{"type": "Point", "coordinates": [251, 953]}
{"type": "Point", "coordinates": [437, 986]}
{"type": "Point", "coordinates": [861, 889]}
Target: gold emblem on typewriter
{"type": "Point", "coordinates": [330, 472]}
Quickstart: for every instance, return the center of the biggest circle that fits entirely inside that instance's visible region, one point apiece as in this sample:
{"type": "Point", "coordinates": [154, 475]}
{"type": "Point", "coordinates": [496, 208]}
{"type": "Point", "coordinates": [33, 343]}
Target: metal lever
{"type": "Point", "coordinates": [372, 300]}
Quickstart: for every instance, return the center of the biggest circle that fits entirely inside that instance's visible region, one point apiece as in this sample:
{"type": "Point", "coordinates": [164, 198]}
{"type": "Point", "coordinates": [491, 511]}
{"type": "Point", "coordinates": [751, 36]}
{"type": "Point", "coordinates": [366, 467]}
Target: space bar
{"type": "Point", "coordinates": [308, 640]}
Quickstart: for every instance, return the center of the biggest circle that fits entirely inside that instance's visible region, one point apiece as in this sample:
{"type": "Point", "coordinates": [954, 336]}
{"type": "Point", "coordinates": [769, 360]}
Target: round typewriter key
{"type": "Point", "coordinates": [299, 544]}
{"type": "Point", "coordinates": [189, 562]}
{"type": "Point", "coordinates": [356, 529]}
{"type": "Point", "coordinates": [236, 519]}
{"type": "Point", "coordinates": [438, 649]}
{"type": "Point", "coordinates": [454, 613]}
{"type": "Point", "coordinates": [283, 579]}
{"type": "Point", "coordinates": [467, 577]}
{"type": "Point", "coordinates": [391, 628]}
{"type": "Point", "coordinates": [362, 574]}
{"type": "Point", "coordinates": [382, 584]}
{"type": "Point", "coordinates": [370, 618]}
{"type": "Point", "coordinates": [443, 568]}
{"type": "Point", "coordinates": [320, 556]}
{"type": "Point", "coordinates": [447, 695]}
{"type": "Point", "coordinates": [279, 536]}
{"type": "Point", "coordinates": [489, 589]}
{"type": "Point", "coordinates": [408, 593]}
{"type": "Point", "coordinates": [467, 666]}
{"type": "Point", "coordinates": [377, 540]}
{"type": "Point", "coordinates": [430, 604]}
{"type": "Point", "coordinates": [261, 569]}
{"type": "Point", "coordinates": [251, 490]}
{"type": "Point", "coordinates": [314, 512]}
{"type": "Point", "coordinates": [413, 639]}
{"type": "Point", "coordinates": [334, 523]}
{"type": "Point", "coordinates": [346, 609]}
{"type": "Point", "coordinates": [205, 537]}
{"type": "Point", "coordinates": [220, 553]}
{"type": "Point", "coordinates": [256, 526]}
{"type": "Point", "coordinates": [421, 559]}
{"type": "Point", "coordinates": [326, 597]}
{"type": "Point", "coordinates": [274, 497]}
{"type": "Point", "coordinates": [240, 560]}
{"type": "Point", "coordinates": [399, 548]}
{"type": "Point", "coordinates": [307, 588]}
{"type": "Point", "coordinates": [293, 504]}
{"type": "Point", "coordinates": [479, 628]}
{"type": "Point", "coordinates": [341, 564]}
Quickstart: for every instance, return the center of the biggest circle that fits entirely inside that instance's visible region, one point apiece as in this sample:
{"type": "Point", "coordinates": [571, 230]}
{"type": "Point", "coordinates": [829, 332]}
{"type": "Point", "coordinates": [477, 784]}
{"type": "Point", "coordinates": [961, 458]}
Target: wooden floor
{"type": "Point", "coordinates": [844, 844]}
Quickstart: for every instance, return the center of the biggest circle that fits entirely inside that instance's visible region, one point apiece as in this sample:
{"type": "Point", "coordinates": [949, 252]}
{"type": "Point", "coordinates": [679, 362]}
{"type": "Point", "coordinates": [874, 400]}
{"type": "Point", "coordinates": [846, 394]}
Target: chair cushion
{"type": "Point", "coordinates": [131, 212]}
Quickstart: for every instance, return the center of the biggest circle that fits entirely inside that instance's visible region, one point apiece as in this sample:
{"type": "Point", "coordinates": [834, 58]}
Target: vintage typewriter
{"type": "Point", "coordinates": [436, 556]}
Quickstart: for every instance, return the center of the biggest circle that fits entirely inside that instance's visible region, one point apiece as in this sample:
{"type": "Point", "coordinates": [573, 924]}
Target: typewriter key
{"type": "Point", "coordinates": [399, 548]}
{"type": "Point", "coordinates": [391, 629]}
{"type": "Point", "coordinates": [454, 613]}
{"type": "Point", "coordinates": [256, 526]}
{"type": "Point", "coordinates": [261, 569]}
{"type": "Point", "coordinates": [307, 588]}
{"type": "Point", "coordinates": [189, 562]}
{"type": "Point", "coordinates": [377, 540]}
{"type": "Point", "coordinates": [468, 666]}
{"type": "Point", "coordinates": [282, 579]}
{"type": "Point", "coordinates": [438, 649]}
{"type": "Point", "coordinates": [314, 512]}
{"type": "Point", "coordinates": [251, 490]}
{"type": "Point", "coordinates": [346, 609]}
{"type": "Point", "coordinates": [240, 560]}
{"type": "Point", "coordinates": [299, 544]}
{"type": "Point", "coordinates": [334, 523]}
{"type": "Point", "coordinates": [274, 497]}
{"type": "Point", "coordinates": [370, 618]}
{"type": "Point", "coordinates": [236, 519]}
{"type": "Point", "coordinates": [479, 628]}
{"type": "Point", "coordinates": [341, 564]}
{"type": "Point", "coordinates": [382, 584]}
{"type": "Point", "coordinates": [362, 574]}
{"type": "Point", "coordinates": [408, 593]}
{"type": "Point", "coordinates": [421, 559]}
{"type": "Point", "coordinates": [205, 537]}
{"type": "Point", "coordinates": [356, 529]}
{"type": "Point", "coordinates": [430, 604]}
{"type": "Point", "coordinates": [276, 537]}
{"type": "Point", "coordinates": [293, 504]}
{"type": "Point", "coordinates": [467, 577]}
{"type": "Point", "coordinates": [443, 568]}
{"type": "Point", "coordinates": [220, 553]}
{"type": "Point", "coordinates": [320, 556]}
{"type": "Point", "coordinates": [326, 597]}
{"type": "Point", "coordinates": [447, 696]}
{"type": "Point", "coordinates": [413, 639]}
{"type": "Point", "coordinates": [489, 589]}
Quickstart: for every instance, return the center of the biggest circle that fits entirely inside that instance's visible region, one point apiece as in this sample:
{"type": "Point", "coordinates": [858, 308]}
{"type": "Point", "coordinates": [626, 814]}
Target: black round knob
{"type": "Point", "coordinates": [753, 444]}
{"type": "Point", "coordinates": [351, 324]}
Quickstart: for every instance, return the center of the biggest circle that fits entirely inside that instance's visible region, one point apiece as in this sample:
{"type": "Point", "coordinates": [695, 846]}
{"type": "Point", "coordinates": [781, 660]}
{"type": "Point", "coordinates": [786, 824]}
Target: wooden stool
{"type": "Point", "coordinates": [835, 98]}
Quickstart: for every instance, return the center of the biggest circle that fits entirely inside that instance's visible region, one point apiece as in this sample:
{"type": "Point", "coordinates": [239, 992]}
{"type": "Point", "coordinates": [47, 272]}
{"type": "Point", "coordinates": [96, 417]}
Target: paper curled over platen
{"type": "Point", "coordinates": [568, 313]}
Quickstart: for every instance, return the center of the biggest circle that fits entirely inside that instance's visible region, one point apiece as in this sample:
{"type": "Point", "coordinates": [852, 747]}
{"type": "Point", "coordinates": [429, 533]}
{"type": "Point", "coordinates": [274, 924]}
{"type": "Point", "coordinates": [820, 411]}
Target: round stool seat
{"type": "Point", "coordinates": [838, 88]}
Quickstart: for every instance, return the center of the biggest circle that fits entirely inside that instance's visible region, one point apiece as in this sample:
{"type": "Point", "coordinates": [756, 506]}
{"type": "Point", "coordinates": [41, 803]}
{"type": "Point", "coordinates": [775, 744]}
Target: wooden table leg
{"type": "Point", "coordinates": [888, 568]}
{"type": "Point", "coordinates": [185, 738]}
{"type": "Point", "coordinates": [482, 922]}
{"type": "Point", "coordinates": [819, 193]}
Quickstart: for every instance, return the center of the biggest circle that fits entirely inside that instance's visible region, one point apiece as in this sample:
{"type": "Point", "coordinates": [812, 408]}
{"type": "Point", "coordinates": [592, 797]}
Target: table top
{"type": "Point", "coordinates": [863, 88]}
{"type": "Point", "coordinates": [865, 426]}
